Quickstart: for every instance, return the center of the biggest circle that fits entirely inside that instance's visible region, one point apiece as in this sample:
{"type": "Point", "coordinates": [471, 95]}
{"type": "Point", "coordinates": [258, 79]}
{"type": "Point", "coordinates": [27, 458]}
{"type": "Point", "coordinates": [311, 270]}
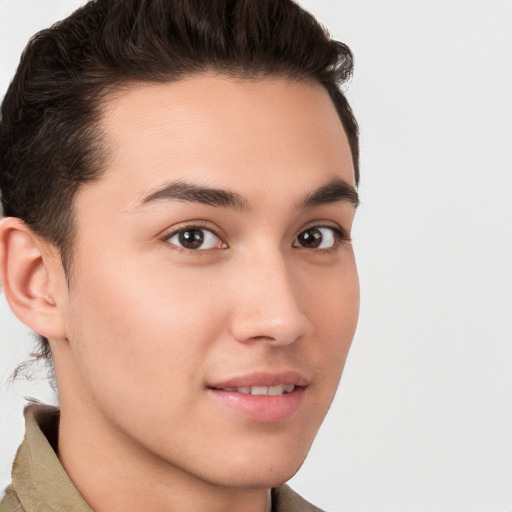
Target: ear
{"type": "Point", "coordinates": [29, 274]}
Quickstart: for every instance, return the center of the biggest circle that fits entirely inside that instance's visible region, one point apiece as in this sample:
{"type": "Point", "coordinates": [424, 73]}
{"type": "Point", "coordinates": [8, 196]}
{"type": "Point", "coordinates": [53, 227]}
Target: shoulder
{"type": "Point", "coordinates": [285, 499]}
{"type": "Point", "coordinates": [10, 501]}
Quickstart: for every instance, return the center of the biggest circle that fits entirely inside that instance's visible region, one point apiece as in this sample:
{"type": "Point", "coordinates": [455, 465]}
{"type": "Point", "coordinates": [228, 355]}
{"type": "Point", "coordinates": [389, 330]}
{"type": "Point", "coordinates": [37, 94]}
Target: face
{"type": "Point", "coordinates": [214, 294]}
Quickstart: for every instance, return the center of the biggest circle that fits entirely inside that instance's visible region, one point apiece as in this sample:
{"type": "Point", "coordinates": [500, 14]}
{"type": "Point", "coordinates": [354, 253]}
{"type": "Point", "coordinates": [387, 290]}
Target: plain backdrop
{"type": "Point", "coordinates": [423, 417]}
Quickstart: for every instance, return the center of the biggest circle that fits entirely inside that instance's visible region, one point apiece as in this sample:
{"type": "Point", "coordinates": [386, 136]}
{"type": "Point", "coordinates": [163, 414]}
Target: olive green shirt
{"type": "Point", "coordinates": [40, 483]}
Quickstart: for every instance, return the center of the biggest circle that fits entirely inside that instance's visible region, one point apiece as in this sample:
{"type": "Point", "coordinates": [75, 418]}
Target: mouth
{"type": "Point", "coordinates": [262, 397]}
{"type": "Point", "coordinates": [280, 389]}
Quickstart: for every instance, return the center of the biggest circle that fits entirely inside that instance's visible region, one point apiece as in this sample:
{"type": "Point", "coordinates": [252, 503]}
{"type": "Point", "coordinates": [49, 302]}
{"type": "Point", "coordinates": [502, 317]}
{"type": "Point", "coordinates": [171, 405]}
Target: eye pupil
{"type": "Point", "coordinates": [191, 238]}
{"type": "Point", "coordinates": [310, 238]}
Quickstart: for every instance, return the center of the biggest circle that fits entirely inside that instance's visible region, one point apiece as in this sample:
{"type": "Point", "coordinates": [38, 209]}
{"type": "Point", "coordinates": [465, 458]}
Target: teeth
{"type": "Point", "coordinates": [275, 390]}
{"type": "Point", "coordinates": [259, 390]}
{"type": "Point", "coordinates": [280, 389]}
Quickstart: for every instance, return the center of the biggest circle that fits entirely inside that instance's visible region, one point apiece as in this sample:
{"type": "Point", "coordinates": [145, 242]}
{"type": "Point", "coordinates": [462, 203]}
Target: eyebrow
{"type": "Point", "coordinates": [335, 191]}
{"type": "Point", "coordinates": [188, 192]}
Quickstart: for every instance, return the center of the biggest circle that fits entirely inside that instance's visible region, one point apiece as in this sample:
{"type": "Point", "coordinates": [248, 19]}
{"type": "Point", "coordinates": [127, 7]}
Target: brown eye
{"type": "Point", "coordinates": [317, 238]}
{"type": "Point", "coordinates": [196, 239]}
{"type": "Point", "coordinates": [191, 238]}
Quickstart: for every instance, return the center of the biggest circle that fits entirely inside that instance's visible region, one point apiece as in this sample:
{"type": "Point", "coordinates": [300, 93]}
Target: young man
{"type": "Point", "coordinates": [178, 184]}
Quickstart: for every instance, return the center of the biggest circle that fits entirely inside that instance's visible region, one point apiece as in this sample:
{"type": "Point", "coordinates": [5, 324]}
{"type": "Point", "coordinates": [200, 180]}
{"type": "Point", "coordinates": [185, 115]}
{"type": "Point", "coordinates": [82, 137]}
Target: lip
{"type": "Point", "coordinates": [261, 408]}
{"type": "Point", "coordinates": [262, 379]}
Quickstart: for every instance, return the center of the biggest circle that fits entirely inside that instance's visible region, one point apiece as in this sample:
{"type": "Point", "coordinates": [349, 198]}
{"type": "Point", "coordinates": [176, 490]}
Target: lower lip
{"type": "Point", "coordinates": [262, 408]}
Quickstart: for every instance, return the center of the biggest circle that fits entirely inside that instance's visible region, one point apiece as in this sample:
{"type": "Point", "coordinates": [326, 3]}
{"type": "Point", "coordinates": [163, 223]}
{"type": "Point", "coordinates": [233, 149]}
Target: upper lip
{"type": "Point", "coordinates": [262, 378]}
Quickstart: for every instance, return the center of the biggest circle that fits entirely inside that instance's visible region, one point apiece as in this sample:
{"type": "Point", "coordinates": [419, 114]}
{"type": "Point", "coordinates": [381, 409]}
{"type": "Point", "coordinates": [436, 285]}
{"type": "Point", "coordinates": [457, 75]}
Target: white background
{"type": "Point", "coordinates": [423, 418]}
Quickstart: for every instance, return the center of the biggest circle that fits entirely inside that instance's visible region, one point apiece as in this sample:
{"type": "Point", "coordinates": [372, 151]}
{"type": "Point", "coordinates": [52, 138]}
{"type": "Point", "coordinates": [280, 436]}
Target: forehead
{"type": "Point", "coordinates": [219, 130]}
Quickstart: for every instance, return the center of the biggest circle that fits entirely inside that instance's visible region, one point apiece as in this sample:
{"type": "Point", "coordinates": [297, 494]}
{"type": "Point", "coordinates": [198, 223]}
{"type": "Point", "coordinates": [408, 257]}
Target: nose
{"type": "Point", "coordinates": [267, 306]}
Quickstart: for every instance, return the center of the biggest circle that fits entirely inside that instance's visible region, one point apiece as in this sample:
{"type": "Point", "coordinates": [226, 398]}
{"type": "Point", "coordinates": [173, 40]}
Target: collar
{"type": "Point", "coordinates": [38, 478]}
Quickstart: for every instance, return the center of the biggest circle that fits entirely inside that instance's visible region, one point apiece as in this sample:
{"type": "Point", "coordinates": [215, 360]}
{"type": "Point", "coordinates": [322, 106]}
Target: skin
{"type": "Point", "coordinates": [147, 326]}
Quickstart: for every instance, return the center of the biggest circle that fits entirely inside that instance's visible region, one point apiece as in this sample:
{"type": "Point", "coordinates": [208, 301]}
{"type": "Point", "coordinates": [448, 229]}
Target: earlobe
{"type": "Point", "coordinates": [26, 268]}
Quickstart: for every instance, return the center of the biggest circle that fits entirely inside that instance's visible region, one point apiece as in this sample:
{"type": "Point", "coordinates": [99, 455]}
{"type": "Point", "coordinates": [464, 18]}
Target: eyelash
{"type": "Point", "coordinates": [198, 225]}
{"type": "Point", "coordinates": [341, 237]}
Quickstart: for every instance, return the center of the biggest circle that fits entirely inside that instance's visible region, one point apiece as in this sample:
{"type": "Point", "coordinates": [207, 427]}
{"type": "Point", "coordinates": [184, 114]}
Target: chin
{"type": "Point", "coordinates": [260, 470]}
{"type": "Point", "coordinates": [267, 478]}
{"type": "Point", "coordinates": [262, 460]}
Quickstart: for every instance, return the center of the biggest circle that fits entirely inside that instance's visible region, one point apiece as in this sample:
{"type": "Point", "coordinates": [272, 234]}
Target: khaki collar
{"type": "Point", "coordinates": [38, 478]}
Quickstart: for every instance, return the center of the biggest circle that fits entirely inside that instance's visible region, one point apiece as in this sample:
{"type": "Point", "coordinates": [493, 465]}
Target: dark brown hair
{"type": "Point", "coordinates": [50, 142]}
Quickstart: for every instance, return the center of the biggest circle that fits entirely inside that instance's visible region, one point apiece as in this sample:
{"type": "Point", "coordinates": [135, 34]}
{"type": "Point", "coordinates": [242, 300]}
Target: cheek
{"type": "Point", "coordinates": [143, 330]}
{"type": "Point", "coordinates": [333, 308]}
{"type": "Point", "coordinates": [332, 298]}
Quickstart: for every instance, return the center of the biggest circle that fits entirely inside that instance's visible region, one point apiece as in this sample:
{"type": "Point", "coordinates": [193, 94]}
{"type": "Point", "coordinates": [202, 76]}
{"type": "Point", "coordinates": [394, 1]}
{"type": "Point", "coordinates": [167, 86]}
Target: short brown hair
{"type": "Point", "coordinates": [49, 137]}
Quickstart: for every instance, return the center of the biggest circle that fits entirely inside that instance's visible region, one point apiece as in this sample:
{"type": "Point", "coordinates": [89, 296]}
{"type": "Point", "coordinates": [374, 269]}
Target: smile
{"type": "Point", "coordinates": [280, 389]}
{"type": "Point", "coordinates": [261, 396]}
